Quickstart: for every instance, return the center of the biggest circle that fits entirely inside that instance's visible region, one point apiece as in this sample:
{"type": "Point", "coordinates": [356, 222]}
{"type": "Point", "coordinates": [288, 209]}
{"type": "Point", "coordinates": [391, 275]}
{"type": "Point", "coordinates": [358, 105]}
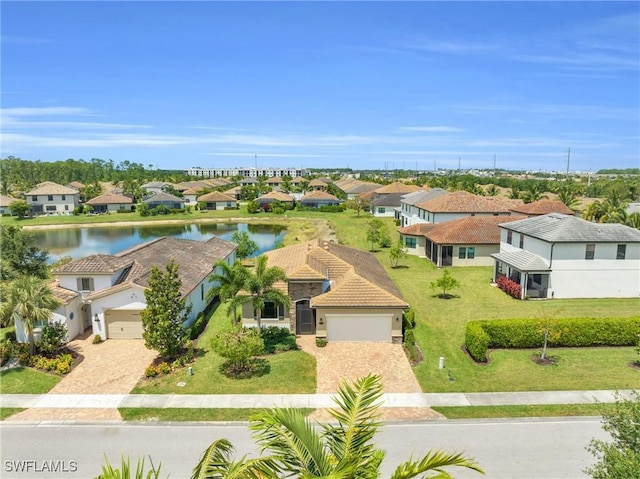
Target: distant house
{"type": "Point", "coordinates": [265, 200]}
{"type": "Point", "coordinates": [460, 204]}
{"type": "Point", "coordinates": [353, 188]}
{"type": "Point", "coordinates": [110, 203]}
{"type": "Point", "coordinates": [338, 293]}
{"type": "Point", "coordinates": [170, 201]}
{"type": "Point", "coordinates": [409, 212]}
{"type": "Point", "coordinates": [52, 198]}
{"type": "Point", "coordinates": [316, 199]}
{"type": "Point", "coordinates": [386, 199]}
{"type": "Point", "coordinates": [542, 207]}
{"type": "Point", "coordinates": [106, 292]}
{"type": "Point", "coordinates": [318, 184]}
{"type": "Point", "coordinates": [468, 241]}
{"type": "Point", "coordinates": [217, 201]}
{"type": "Point", "coordinates": [5, 202]}
{"type": "Point", "coordinates": [234, 192]}
{"type": "Point", "coordinates": [274, 183]}
{"type": "Point", "coordinates": [76, 184]}
{"type": "Point", "coordinates": [562, 256]}
{"type": "Point", "coordinates": [190, 195]}
{"type": "Point", "coordinates": [155, 186]}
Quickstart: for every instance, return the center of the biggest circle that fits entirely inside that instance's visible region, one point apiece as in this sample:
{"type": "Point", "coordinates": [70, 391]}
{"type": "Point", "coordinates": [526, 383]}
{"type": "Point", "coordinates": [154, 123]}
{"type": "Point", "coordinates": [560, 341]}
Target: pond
{"type": "Point", "coordinates": [80, 242]}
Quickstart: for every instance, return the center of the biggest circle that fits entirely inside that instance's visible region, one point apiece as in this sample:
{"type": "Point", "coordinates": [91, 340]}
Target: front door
{"type": "Point", "coordinates": [86, 316]}
{"type": "Point", "coordinates": [305, 318]}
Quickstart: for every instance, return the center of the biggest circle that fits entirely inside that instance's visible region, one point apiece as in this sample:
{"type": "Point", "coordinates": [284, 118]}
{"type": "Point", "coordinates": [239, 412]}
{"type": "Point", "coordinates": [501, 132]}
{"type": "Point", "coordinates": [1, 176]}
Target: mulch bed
{"type": "Point", "coordinates": [547, 361]}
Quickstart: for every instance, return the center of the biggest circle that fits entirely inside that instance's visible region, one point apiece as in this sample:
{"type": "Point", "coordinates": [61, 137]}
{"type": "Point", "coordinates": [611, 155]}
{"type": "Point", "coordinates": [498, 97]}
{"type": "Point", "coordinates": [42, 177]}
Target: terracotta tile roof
{"type": "Point", "coordinates": [96, 264]}
{"type": "Point", "coordinates": [63, 295]}
{"type": "Point", "coordinates": [543, 207]}
{"type": "Point", "coordinates": [357, 278]}
{"type": "Point", "coordinates": [318, 182]}
{"type": "Point", "coordinates": [275, 195]}
{"type": "Point", "coordinates": [397, 187]}
{"type": "Point", "coordinates": [110, 199]}
{"type": "Point", "coordinates": [318, 195]}
{"type": "Point", "coordinates": [51, 188]}
{"type": "Point", "coordinates": [464, 202]}
{"type": "Point", "coordinates": [469, 230]}
{"type": "Point", "coordinates": [233, 191]}
{"type": "Point", "coordinates": [297, 180]}
{"type": "Point", "coordinates": [217, 197]}
{"type": "Point", "coordinates": [367, 195]}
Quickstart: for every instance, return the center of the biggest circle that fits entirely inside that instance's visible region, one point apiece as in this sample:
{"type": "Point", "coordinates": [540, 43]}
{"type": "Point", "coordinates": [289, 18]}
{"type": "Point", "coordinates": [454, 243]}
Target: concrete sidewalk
{"type": "Point", "coordinates": [312, 401]}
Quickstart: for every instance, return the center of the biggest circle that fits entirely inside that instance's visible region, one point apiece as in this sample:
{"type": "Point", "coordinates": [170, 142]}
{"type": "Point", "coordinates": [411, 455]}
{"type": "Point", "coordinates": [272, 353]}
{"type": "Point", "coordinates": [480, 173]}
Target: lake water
{"type": "Point", "coordinates": [80, 242]}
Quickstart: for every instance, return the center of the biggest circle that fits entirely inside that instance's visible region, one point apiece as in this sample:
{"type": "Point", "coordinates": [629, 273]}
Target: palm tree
{"type": "Point", "coordinates": [30, 300]}
{"type": "Point", "coordinates": [216, 463]}
{"type": "Point", "coordinates": [230, 280]}
{"type": "Point", "coordinates": [533, 193]}
{"type": "Point", "coordinates": [343, 449]}
{"type": "Point", "coordinates": [258, 288]}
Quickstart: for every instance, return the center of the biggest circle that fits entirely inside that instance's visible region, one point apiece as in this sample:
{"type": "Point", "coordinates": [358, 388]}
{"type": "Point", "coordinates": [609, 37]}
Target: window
{"type": "Point", "coordinates": [381, 209]}
{"type": "Point", "coordinates": [66, 207]}
{"type": "Point", "coordinates": [64, 197]}
{"type": "Point", "coordinates": [462, 252]}
{"type": "Point", "coordinates": [622, 251]}
{"type": "Point", "coordinates": [271, 311]}
{"type": "Point", "coordinates": [34, 198]}
{"type": "Point", "coordinates": [49, 197]}
{"type": "Point", "coordinates": [521, 241]}
{"type": "Point", "coordinates": [471, 252]}
{"type": "Point", "coordinates": [85, 284]}
{"type": "Point", "coordinates": [590, 251]}
{"type": "Point", "coordinates": [51, 207]}
{"type": "Point", "coordinates": [509, 237]}
{"type": "Point", "coordinates": [202, 292]}
{"type": "Point", "coordinates": [409, 242]}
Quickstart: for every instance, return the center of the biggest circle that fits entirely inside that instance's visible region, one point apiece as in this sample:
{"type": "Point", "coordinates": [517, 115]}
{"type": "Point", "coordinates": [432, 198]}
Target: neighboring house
{"type": "Point", "coordinates": [409, 211]}
{"type": "Point", "coordinates": [318, 184]}
{"type": "Point", "coordinates": [249, 181]}
{"type": "Point", "coordinates": [155, 186]}
{"type": "Point", "coordinates": [235, 192]}
{"type": "Point", "coordinates": [217, 201]}
{"type": "Point", "coordinates": [316, 199]}
{"type": "Point", "coordinates": [562, 256]}
{"type": "Point", "coordinates": [110, 202]}
{"type": "Point", "coordinates": [542, 207]}
{"type": "Point", "coordinates": [353, 188]}
{"type": "Point", "coordinates": [183, 186]}
{"type": "Point", "coordinates": [274, 183]}
{"type": "Point", "coordinates": [76, 184]}
{"type": "Point", "coordinates": [265, 200]}
{"type": "Point", "coordinates": [52, 198]}
{"type": "Point", "coordinates": [466, 241]}
{"type": "Point", "coordinates": [460, 204]}
{"type": "Point", "coordinates": [170, 201]}
{"type": "Point", "coordinates": [337, 292]}
{"type": "Point", "coordinates": [387, 198]}
{"type": "Point", "coordinates": [111, 288]}
{"type": "Point", "coordinates": [190, 195]}
{"type": "Point", "coordinates": [5, 201]}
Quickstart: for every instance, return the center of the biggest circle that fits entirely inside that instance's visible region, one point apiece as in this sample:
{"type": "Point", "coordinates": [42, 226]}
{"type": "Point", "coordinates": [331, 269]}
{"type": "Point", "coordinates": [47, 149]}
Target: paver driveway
{"type": "Point", "coordinates": [111, 367]}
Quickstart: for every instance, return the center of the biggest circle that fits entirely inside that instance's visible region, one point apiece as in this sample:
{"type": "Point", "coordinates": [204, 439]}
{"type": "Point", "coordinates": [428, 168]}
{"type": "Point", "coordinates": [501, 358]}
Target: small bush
{"type": "Point", "coordinates": [277, 340]}
{"type": "Point", "coordinates": [331, 208]}
{"type": "Point", "coordinates": [163, 368]}
{"type": "Point", "coordinates": [10, 336]}
{"type": "Point", "coordinates": [409, 319]}
{"type": "Point", "coordinates": [321, 342]}
{"type": "Point", "coordinates": [509, 286]}
{"type": "Point", "coordinates": [97, 339]}
{"type": "Point", "coordinates": [54, 337]}
{"type": "Point", "coordinates": [198, 326]}
{"type": "Point", "coordinates": [527, 333]}
{"type": "Point", "coordinates": [409, 337]}
{"type": "Point", "coordinates": [60, 365]}
{"type": "Point", "coordinates": [151, 371]}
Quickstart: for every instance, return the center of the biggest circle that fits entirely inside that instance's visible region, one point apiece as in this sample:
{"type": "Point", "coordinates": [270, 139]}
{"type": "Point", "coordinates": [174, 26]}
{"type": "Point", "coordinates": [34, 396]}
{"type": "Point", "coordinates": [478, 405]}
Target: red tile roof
{"type": "Point", "coordinates": [464, 202]}
{"type": "Point", "coordinates": [110, 199]}
{"type": "Point", "coordinates": [543, 207]}
{"type": "Point", "coordinates": [469, 230]}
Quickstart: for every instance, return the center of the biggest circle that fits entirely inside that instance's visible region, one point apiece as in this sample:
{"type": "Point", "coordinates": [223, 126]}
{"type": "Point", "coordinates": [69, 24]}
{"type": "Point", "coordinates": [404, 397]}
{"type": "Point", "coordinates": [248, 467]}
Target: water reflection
{"type": "Point", "coordinates": [80, 242]}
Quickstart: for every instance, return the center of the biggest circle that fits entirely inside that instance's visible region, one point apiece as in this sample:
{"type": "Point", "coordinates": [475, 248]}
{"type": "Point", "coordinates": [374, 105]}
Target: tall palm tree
{"type": "Point", "coordinates": [533, 193]}
{"type": "Point", "coordinates": [258, 288]}
{"type": "Point", "coordinates": [344, 449]}
{"type": "Point", "coordinates": [29, 300]}
{"type": "Point", "coordinates": [230, 280]}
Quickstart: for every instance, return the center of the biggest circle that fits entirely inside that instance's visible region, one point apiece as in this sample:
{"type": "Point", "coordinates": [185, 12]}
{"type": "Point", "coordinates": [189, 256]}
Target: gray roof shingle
{"type": "Point", "coordinates": [523, 260]}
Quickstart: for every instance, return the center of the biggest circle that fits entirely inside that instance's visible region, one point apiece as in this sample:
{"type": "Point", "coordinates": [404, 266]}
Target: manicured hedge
{"type": "Point", "coordinates": [527, 333]}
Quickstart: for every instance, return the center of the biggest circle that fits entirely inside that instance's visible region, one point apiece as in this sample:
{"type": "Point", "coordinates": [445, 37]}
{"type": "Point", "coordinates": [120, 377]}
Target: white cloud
{"type": "Point", "coordinates": [432, 129]}
{"type": "Point", "coordinates": [44, 111]}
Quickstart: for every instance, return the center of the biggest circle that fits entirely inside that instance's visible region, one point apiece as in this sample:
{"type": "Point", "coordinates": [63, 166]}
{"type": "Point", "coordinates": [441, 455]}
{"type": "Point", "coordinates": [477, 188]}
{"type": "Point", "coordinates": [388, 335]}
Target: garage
{"type": "Point", "coordinates": [359, 327]}
{"type": "Point", "coordinates": [123, 324]}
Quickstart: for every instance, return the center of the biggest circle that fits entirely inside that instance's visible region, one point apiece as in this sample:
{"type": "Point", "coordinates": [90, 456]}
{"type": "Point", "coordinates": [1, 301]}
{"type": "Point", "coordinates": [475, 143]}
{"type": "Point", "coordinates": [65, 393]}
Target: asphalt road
{"type": "Point", "coordinates": [527, 448]}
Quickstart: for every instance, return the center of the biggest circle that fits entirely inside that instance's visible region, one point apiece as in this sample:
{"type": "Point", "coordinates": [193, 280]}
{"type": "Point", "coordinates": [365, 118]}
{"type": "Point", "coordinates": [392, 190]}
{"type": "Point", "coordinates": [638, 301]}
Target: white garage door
{"type": "Point", "coordinates": [124, 324]}
{"type": "Point", "coordinates": [359, 327]}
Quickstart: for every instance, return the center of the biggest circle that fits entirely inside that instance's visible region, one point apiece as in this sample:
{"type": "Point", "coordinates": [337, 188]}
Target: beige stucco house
{"type": "Point", "coordinates": [52, 198]}
{"type": "Point", "coordinates": [110, 203]}
{"type": "Point", "coordinates": [217, 201]}
{"type": "Point", "coordinates": [338, 293]}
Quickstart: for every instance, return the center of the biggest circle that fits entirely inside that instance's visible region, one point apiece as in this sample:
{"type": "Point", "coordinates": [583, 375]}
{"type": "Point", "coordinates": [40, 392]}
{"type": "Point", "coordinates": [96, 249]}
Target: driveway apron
{"type": "Point", "coordinates": [111, 367]}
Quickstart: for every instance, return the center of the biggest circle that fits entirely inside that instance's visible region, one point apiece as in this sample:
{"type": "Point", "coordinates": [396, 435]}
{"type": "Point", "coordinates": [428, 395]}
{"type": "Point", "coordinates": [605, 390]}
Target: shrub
{"type": "Point", "coordinates": [277, 340]}
{"type": "Point", "coordinates": [97, 339]}
{"type": "Point", "coordinates": [321, 342]}
{"type": "Point", "coordinates": [163, 368]}
{"type": "Point", "coordinates": [238, 346]}
{"type": "Point", "coordinates": [54, 337]}
{"type": "Point", "coordinates": [151, 371]}
{"type": "Point", "coordinates": [409, 319]}
{"type": "Point", "coordinates": [7, 351]}
{"type": "Point", "coordinates": [198, 326]}
{"type": "Point", "coordinates": [143, 209]}
{"type": "Point", "coordinates": [60, 365]}
{"type": "Point", "coordinates": [410, 337]}
{"type": "Point", "coordinates": [11, 336]}
{"type": "Point", "coordinates": [509, 286]}
{"type": "Point", "coordinates": [331, 208]}
{"type": "Point", "coordinates": [527, 333]}
{"type": "Point", "coordinates": [253, 207]}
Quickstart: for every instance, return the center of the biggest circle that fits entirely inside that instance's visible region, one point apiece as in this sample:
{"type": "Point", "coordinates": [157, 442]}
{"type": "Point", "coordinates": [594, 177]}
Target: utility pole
{"type": "Point", "coordinates": [568, 159]}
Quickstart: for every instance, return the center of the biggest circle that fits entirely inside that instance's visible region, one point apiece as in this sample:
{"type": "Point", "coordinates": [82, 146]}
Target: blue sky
{"type": "Point", "coordinates": [323, 84]}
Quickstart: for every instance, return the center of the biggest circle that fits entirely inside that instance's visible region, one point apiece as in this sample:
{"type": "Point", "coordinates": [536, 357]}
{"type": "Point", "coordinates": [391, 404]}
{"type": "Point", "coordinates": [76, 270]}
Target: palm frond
{"type": "Point", "coordinates": [216, 463]}
{"type": "Point", "coordinates": [434, 461]}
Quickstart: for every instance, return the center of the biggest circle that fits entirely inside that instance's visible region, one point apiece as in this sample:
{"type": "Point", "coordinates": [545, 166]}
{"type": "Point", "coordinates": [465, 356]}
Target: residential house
{"type": "Point", "coordinates": [183, 186]}
{"type": "Point", "coordinates": [274, 183]}
{"type": "Point", "coordinates": [106, 292]}
{"type": "Point", "coordinates": [316, 199]}
{"type": "Point", "coordinates": [562, 256]}
{"type": "Point", "coordinates": [5, 202]}
{"type": "Point", "coordinates": [165, 199]}
{"type": "Point", "coordinates": [542, 207]}
{"type": "Point", "coordinates": [409, 212]}
{"type": "Point", "coordinates": [190, 195]}
{"type": "Point", "coordinates": [265, 200]}
{"type": "Point", "coordinates": [318, 184]}
{"type": "Point", "coordinates": [52, 198]}
{"type": "Point", "coordinates": [155, 186]}
{"type": "Point", "coordinates": [338, 293]}
{"type": "Point", "coordinates": [217, 201]}
{"type": "Point", "coordinates": [468, 241]}
{"type": "Point", "coordinates": [460, 204]}
{"type": "Point", "coordinates": [110, 203]}
{"type": "Point", "coordinates": [354, 188]}
{"type": "Point", "coordinates": [235, 192]}
{"type": "Point", "coordinates": [386, 200]}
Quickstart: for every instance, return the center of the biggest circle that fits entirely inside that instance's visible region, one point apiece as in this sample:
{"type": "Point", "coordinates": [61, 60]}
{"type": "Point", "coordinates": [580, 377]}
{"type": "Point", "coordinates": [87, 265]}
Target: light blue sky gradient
{"type": "Point", "coordinates": [335, 84]}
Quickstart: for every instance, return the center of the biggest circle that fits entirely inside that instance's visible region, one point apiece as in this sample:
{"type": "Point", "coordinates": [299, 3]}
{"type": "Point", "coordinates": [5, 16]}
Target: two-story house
{"type": "Point", "coordinates": [562, 256]}
{"type": "Point", "coordinates": [106, 292]}
{"type": "Point", "coordinates": [409, 212]}
{"type": "Point", "coordinates": [52, 198]}
{"type": "Point", "coordinates": [386, 199]}
{"type": "Point", "coordinates": [460, 204]}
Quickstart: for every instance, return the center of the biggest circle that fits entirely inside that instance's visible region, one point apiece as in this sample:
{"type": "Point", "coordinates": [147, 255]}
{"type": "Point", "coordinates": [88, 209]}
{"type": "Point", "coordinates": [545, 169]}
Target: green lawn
{"type": "Point", "coordinates": [6, 412]}
{"type": "Point", "coordinates": [180, 414]}
{"type": "Point", "coordinates": [290, 372]}
{"type": "Point", "coordinates": [551, 410]}
{"type": "Point", "coordinates": [26, 381]}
